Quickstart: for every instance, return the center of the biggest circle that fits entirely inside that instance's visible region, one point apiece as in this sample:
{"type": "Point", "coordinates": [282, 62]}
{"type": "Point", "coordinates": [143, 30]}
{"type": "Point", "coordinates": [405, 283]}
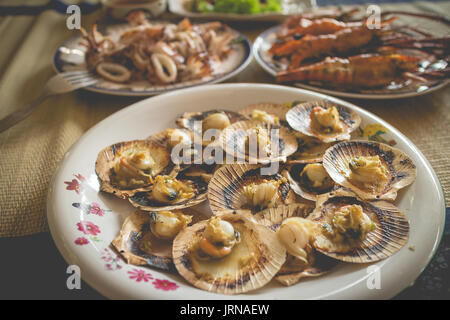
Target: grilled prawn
{"type": "Point", "coordinates": [366, 70]}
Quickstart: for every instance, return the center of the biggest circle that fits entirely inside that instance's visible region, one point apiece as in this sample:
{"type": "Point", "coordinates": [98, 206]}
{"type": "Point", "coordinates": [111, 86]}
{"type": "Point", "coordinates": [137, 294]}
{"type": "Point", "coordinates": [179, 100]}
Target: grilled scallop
{"type": "Point", "coordinates": [146, 238]}
{"type": "Point", "coordinates": [371, 169]}
{"type": "Point", "coordinates": [129, 167]}
{"type": "Point", "coordinates": [229, 254]}
{"type": "Point", "coordinates": [302, 260]}
{"type": "Point", "coordinates": [353, 230]}
{"type": "Point", "coordinates": [272, 113]}
{"type": "Point", "coordinates": [246, 186]}
{"type": "Point", "coordinates": [200, 122]}
{"type": "Point", "coordinates": [323, 120]}
{"type": "Point", "coordinates": [169, 193]}
{"type": "Point", "coordinates": [257, 142]}
{"type": "Point", "coordinates": [309, 180]}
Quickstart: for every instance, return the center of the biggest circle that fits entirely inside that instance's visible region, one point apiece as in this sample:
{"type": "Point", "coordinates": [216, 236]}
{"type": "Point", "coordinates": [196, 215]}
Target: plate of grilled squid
{"type": "Point", "coordinates": [246, 191]}
{"type": "Point", "coordinates": [142, 57]}
{"type": "Point", "coordinates": [349, 56]}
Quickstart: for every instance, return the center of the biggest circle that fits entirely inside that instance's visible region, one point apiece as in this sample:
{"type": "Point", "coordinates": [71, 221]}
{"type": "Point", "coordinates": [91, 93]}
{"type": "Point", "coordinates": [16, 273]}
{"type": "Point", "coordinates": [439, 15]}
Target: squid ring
{"type": "Point", "coordinates": [165, 67]}
{"type": "Point", "coordinates": [113, 72]}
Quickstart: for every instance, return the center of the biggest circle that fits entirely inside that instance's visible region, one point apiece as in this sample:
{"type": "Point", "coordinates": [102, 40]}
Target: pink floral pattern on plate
{"type": "Point", "coordinates": [165, 285]}
{"type": "Point", "coordinates": [140, 275]}
{"type": "Point", "coordinates": [93, 208]}
{"type": "Point", "coordinates": [75, 184]}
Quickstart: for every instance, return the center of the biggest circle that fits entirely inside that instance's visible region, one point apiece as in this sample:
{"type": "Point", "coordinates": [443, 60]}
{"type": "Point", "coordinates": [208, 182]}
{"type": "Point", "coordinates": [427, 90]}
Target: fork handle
{"type": "Point", "coordinates": [17, 116]}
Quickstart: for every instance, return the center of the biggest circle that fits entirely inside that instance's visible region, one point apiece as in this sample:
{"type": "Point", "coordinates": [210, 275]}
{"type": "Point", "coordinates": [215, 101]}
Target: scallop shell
{"type": "Point", "coordinates": [299, 184]}
{"type": "Point", "coordinates": [402, 170]}
{"type": "Point", "coordinates": [253, 262]}
{"type": "Point", "coordinates": [135, 233]}
{"type": "Point", "coordinates": [275, 109]}
{"type": "Point", "coordinates": [390, 235]}
{"type": "Point", "coordinates": [299, 119]}
{"type": "Point", "coordinates": [162, 138]}
{"type": "Point", "coordinates": [188, 119]}
{"type": "Point", "coordinates": [225, 190]}
{"type": "Point", "coordinates": [232, 140]}
{"type": "Point", "coordinates": [291, 273]}
{"type": "Point", "coordinates": [141, 200]}
{"type": "Point", "coordinates": [273, 217]}
{"type": "Point", "coordinates": [309, 149]}
{"type": "Point", "coordinates": [107, 158]}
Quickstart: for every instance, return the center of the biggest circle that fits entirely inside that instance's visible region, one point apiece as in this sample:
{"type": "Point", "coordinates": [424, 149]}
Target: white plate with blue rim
{"type": "Point", "coordinates": [70, 56]}
{"type": "Point", "coordinates": [83, 221]}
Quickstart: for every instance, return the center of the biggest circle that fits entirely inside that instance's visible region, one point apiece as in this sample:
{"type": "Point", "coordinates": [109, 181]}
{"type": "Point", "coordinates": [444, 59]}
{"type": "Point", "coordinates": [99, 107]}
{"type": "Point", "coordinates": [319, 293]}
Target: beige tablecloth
{"type": "Point", "coordinates": [30, 151]}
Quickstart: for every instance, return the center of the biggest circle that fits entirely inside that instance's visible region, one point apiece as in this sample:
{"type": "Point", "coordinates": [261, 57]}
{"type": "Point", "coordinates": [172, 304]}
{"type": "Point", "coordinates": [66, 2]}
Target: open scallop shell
{"type": "Point", "coordinates": [273, 217]}
{"type": "Point", "coordinates": [188, 120]}
{"type": "Point", "coordinates": [226, 188]}
{"type": "Point", "coordinates": [108, 157]}
{"type": "Point", "coordinates": [309, 149]}
{"type": "Point", "coordinates": [253, 262]}
{"type": "Point", "coordinates": [232, 140]}
{"type": "Point", "coordinates": [291, 272]}
{"type": "Point", "coordinates": [299, 119]}
{"type": "Point", "coordinates": [300, 185]}
{"type": "Point", "coordinates": [141, 200]}
{"type": "Point", "coordinates": [390, 235]}
{"type": "Point", "coordinates": [138, 246]}
{"type": "Point", "coordinates": [275, 109]}
{"type": "Point", "coordinates": [402, 170]}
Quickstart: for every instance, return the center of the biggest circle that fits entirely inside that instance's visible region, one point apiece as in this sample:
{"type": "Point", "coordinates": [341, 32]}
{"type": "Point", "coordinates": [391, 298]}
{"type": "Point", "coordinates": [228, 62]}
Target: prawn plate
{"type": "Point", "coordinates": [395, 90]}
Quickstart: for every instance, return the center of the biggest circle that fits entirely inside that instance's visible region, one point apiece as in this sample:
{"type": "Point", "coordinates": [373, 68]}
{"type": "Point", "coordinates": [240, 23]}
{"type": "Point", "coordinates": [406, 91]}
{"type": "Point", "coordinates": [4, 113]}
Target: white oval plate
{"type": "Point", "coordinates": [70, 56]}
{"type": "Point", "coordinates": [83, 221]}
{"type": "Point", "coordinates": [264, 41]}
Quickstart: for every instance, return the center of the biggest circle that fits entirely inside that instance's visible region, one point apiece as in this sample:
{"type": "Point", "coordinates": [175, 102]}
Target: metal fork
{"type": "Point", "coordinates": [61, 83]}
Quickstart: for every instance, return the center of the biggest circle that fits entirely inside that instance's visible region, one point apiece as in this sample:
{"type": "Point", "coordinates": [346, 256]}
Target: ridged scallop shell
{"type": "Point", "coordinates": [232, 140]}
{"type": "Point", "coordinates": [273, 217]}
{"type": "Point", "coordinates": [259, 248]}
{"type": "Point", "coordinates": [290, 273]}
{"type": "Point", "coordinates": [390, 235]}
{"type": "Point", "coordinates": [309, 149]}
{"type": "Point", "coordinates": [276, 109]}
{"type": "Point", "coordinates": [107, 158]}
{"type": "Point", "coordinates": [163, 139]}
{"type": "Point", "coordinates": [141, 200]}
{"type": "Point", "coordinates": [225, 190]}
{"type": "Point", "coordinates": [138, 246]}
{"type": "Point", "coordinates": [299, 185]}
{"type": "Point", "coordinates": [402, 170]}
{"type": "Point", "coordinates": [299, 119]}
{"type": "Point", "coordinates": [188, 119]}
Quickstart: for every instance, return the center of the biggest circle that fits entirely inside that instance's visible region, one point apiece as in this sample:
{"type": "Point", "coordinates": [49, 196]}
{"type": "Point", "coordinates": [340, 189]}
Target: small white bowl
{"type": "Point", "coordinates": [119, 9]}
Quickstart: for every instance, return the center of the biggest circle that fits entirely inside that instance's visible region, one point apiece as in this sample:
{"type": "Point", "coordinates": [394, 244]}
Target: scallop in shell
{"type": "Point", "coordinates": [293, 270]}
{"type": "Point", "coordinates": [138, 245]}
{"type": "Point", "coordinates": [128, 167]}
{"type": "Point", "coordinates": [308, 180]}
{"type": "Point", "coordinates": [199, 122]}
{"type": "Point", "coordinates": [247, 186]}
{"type": "Point", "coordinates": [309, 149]}
{"type": "Point", "coordinates": [388, 233]}
{"type": "Point", "coordinates": [323, 120]}
{"type": "Point", "coordinates": [168, 193]}
{"type": "Point", "coordinates": [273, 113]}
{"type": "Point", "coordinates": [252, 263]}
{"type": "Point", "coordinates": [257, 142]}
{"type": "Point", "coordinates": [394, 171]}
